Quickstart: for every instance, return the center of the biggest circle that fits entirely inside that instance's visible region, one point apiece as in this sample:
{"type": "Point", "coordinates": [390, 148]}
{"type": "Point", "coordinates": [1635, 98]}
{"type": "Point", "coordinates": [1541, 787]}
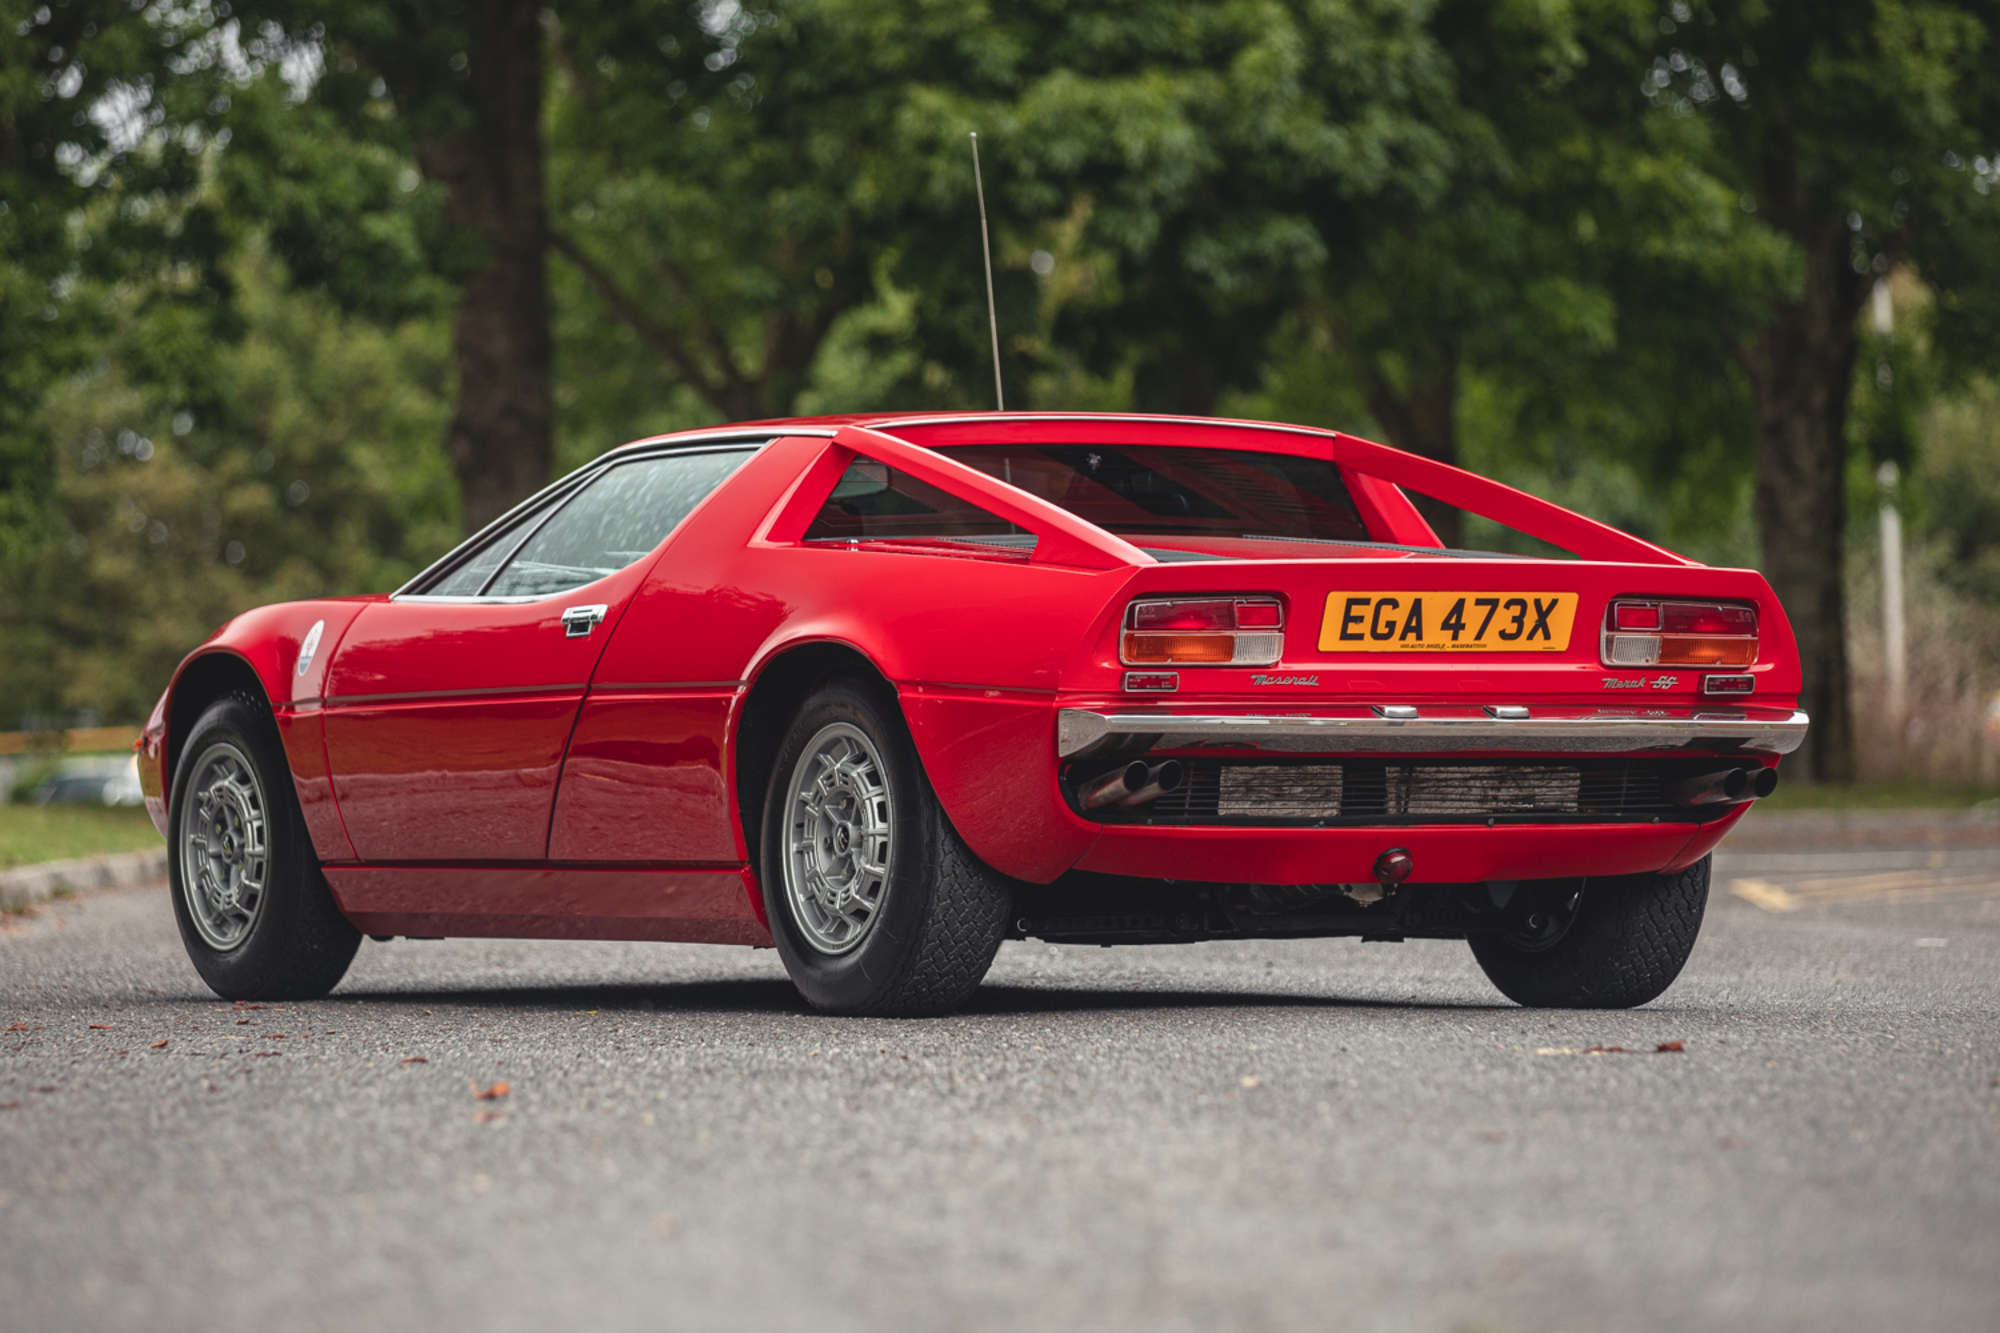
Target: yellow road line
{"type": "Point", "coordinates": [1764, 894]}
{"type": "Point", "coordinates": [1907, 886]}
{"type": "Point", "coordinates": [1912, 877]}
{"type": "Point", "coordinates": [1916, 892]}
{"type": "Point", "coordinates": [1907, 889]}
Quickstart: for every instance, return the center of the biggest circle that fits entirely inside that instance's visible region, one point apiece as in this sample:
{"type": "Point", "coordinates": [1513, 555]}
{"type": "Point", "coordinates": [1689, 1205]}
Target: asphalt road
{"type": "Point", "coordinates": [1316, 1134]}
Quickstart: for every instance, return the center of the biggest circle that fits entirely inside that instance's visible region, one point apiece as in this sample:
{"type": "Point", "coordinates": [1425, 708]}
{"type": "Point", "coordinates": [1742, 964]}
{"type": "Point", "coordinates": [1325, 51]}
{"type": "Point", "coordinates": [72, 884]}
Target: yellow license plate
{"type": "Point", "coordinates": [1447, 622]}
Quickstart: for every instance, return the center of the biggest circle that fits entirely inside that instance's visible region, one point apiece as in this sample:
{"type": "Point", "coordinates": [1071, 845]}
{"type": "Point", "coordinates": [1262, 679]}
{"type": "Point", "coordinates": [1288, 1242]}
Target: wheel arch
{"type": "Point", "coordinates": [210, 675]}
{"type": "Point", "coordinates": [782, 682]}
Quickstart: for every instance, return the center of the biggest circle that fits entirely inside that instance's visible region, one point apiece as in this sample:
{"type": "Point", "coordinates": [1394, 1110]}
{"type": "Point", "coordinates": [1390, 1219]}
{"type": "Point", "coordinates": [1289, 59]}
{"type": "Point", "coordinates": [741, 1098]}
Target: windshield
{"type": "Point", "coordinates": [1157, 490]}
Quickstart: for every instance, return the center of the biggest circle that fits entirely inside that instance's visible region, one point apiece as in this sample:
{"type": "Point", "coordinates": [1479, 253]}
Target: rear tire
{"type": "Point", "coordinates": [1624, 941]}
{"type": "Point", "coordinates": [254, 910]}
{"type": "Point", "coordinates": [875, 903]}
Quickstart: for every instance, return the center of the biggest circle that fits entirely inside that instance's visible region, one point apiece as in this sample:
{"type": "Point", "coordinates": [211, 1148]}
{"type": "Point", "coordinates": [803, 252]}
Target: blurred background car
{"type": "Point", "coordinates": [90, 780]}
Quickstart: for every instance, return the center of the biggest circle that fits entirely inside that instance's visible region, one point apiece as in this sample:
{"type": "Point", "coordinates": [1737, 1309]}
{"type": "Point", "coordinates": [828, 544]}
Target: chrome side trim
{"type": "Point", "coordinates": [1081, 730]}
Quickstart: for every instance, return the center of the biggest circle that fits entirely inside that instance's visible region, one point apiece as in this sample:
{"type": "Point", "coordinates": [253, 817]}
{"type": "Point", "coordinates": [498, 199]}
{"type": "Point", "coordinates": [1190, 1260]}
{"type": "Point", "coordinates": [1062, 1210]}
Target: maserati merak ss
{"type": "Point", "coordinates": [885, 691]}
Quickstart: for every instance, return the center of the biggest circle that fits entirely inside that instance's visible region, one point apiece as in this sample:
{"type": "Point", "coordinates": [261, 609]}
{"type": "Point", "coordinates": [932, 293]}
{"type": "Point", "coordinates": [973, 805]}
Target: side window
{"type": "Point", "coordinates": [873, 499]}
{"type": "Point", "coordinates": [471, 575]}
{"type": "Point", "coordinates": [615, 520]}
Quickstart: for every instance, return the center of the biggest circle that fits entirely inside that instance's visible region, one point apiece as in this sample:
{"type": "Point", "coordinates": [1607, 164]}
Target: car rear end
{"type": "Point", "coordinates": [1416, 718]}
{"type": "Point", "coordinates": [1289, 710]}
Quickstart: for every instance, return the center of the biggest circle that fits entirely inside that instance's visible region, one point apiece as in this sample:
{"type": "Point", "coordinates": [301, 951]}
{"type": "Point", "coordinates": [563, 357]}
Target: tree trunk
{"type": "Point", "coordinates": [499, 441]}
{"type": "Point", "coordinates": [1180, 380]}
{"type": "Point", "coordinates": [1421, 417]}
{"type": "Point", "coordinates": [1801, 367]}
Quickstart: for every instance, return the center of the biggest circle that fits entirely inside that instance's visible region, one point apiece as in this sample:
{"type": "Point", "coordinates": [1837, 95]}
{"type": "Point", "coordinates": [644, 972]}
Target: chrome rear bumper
{"type": "Point", "coordinates": [1080, 731]}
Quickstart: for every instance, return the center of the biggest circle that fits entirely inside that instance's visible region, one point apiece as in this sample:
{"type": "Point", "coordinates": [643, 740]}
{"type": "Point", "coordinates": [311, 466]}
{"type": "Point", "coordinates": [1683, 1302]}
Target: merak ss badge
{"type": "Point", "coordinates": [1641, 682]}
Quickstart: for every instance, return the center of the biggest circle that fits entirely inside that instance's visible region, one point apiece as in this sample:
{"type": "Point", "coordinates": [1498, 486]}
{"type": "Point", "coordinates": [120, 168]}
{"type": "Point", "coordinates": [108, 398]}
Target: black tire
{"type": "Point", "coordinates": [942, 911]}
{"type": "Point", "coordinates": [1627, 938]}
{"type": "Point", "coordinates": [298, 945]}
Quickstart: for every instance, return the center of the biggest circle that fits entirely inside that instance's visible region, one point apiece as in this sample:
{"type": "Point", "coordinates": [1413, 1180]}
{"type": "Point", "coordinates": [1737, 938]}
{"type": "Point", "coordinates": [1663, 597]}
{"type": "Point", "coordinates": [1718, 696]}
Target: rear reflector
{"type": "Point", "coordinates": [1646, 632]}
{"type": "Point", "coordinates": [1203, 631]}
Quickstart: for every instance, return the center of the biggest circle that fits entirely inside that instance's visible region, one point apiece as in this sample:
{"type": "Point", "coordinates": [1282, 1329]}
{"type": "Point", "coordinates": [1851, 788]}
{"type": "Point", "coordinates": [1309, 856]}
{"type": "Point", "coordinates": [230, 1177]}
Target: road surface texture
{"type": "Point", "coordinates": [1301, 1134]}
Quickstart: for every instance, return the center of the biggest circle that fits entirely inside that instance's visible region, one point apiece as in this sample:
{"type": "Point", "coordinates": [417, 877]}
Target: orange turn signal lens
{"type": "Point", "coordinates": [1143, 648]}
{"type": "Point", "coordinates": [1686, 650]}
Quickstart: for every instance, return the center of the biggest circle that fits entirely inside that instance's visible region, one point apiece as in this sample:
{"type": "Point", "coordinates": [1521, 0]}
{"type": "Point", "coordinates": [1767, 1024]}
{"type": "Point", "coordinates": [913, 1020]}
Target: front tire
{"type": "Point", "coordinates": [875, 903]}
{"type": "Point", "coordinates": [1609, 943]}
{"type": "Point", "coordinates": [254, 910]}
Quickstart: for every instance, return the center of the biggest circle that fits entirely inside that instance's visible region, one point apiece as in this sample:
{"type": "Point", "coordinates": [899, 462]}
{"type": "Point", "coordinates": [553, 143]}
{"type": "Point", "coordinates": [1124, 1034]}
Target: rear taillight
{"type": "Point", "coordinates": [1648, 632]}
{"type": "Point", "coordinates": [1203, 631]}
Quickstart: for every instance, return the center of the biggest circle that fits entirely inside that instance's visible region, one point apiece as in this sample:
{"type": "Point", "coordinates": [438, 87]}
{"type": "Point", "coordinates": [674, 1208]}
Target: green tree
{"type": "Point", "coordinates": [1857, 136]}
{"type": "Point", "coordinates": [316, 467]}
{"type": "Point", "coordinates": [80, 103]}
{"type": "Point", "coordinates": [394, 154]}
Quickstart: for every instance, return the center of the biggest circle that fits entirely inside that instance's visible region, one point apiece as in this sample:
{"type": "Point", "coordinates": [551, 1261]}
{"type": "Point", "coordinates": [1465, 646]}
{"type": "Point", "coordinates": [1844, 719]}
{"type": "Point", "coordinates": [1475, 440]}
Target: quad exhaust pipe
{"type": "Point", "coordinates": [1729, 786]}
{"type": "Point", "coordinates": [1138, 783]}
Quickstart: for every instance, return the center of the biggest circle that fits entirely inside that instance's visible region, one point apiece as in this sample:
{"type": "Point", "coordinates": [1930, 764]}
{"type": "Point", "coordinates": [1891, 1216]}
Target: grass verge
{"type": "Point", "coordinates": [33, 833]}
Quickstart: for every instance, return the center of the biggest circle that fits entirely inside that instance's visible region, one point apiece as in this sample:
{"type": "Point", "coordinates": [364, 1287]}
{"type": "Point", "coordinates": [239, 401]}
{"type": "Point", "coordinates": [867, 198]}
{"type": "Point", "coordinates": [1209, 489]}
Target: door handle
{"type": "Point", "coordinates": [579, 621]}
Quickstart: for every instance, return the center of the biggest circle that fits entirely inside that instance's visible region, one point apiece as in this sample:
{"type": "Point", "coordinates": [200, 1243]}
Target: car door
{"type": "Point", "coordinates": [448, 708]}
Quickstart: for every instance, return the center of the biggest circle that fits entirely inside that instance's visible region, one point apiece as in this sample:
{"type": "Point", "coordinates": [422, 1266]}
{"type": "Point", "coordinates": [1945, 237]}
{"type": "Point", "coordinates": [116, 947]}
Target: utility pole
{"type": "Point", "coordinates": [1895, 647]}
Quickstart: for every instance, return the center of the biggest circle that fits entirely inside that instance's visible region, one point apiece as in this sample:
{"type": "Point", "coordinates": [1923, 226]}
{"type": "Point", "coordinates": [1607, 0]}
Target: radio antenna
{"type": "Point", "coordinates": [986, 253]}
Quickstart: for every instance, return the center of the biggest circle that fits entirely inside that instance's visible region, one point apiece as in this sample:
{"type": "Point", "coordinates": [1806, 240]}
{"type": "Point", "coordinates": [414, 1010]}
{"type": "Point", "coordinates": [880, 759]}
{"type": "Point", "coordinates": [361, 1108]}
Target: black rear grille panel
{"type": "Point", "coordinates": [1321, 792]}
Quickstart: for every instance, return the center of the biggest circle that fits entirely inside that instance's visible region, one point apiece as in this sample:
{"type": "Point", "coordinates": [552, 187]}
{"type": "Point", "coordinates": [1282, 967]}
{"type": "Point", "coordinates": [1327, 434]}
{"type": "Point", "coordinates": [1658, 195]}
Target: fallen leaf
{"type": "Point", "coordinates": [101, 1027]}
{"type": "Point", "coordinates": [242, 1004]}
{"type": "Point", "coordinates": [242, 1022]}
{"type": "Point", "coordinates": [492, 1094]}
{"type": "Point", "coordinates": [483, 1117]}
{"type": "Point", "coordinates": [18, 1027]}
{"type": "Point", "coordinates": [415, 1060]}
{"type": "Point", "coordinates": [260, 1055]}
{"type": "Point", "coordinates": [1251, 1080]}
{"type": "Point", "coordinates": [274, 1036]}
{"type": "Point", "coordinates": [10, 1106]}
{"type": "Point", "coordinates": [158, 1044]}
{"type": "Point", "coordinates": [1662, 1048]}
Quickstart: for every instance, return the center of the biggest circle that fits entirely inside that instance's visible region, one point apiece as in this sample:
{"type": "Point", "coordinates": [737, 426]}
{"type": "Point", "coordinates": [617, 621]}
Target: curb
{"type": "Point", "coordinates": [25, 886]}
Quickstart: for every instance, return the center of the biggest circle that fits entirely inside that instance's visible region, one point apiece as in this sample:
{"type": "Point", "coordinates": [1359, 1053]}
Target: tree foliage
{"type": "Point", "coordinates": [401, 260]}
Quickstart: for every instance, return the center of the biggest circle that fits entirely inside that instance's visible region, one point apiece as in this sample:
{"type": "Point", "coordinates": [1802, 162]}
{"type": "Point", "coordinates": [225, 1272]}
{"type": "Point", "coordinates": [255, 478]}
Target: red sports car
{"type": "Point", "coordinates": [886, 691]}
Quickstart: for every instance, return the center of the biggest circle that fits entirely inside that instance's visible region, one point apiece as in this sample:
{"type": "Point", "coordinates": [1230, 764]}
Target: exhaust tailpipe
{"type": "Point", "coordinates": [1114, 787]}
{"type": "Point", "coordinates": [1160, 779]}
{"type": "Point", "coordinates": [1763, 782]}
{"type": "Point", "coordinates": [1731, 786]}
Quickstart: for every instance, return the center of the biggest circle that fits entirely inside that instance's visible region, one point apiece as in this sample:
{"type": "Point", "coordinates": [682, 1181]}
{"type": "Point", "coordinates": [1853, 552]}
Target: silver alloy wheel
{"type": "Point", "coordinates": [840, 825]}
{"type": "Point", "coordinates": [225, 852]}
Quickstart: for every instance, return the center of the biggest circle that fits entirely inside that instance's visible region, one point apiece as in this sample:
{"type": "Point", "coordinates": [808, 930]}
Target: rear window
{"type": "Point", "coordinates": [1132, 490]}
